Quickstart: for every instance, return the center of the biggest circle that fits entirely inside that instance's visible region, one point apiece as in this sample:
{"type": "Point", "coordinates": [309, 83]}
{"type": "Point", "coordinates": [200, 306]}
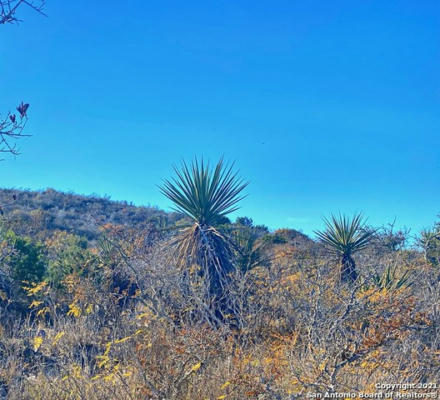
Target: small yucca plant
{"type": "Point", "coordinates": [390, 279]}
{"type": "Point", "coordinates": [344, 237]}
{"type": "Point", "coordinates": [206, 195]}
{"type": "Point", "coordinates": [250, 249]}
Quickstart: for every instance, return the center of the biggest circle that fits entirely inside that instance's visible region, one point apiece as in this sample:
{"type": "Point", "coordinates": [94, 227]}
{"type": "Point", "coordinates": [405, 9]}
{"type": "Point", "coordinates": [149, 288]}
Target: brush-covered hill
{"type": "Point", "coordinates": [39, 213]}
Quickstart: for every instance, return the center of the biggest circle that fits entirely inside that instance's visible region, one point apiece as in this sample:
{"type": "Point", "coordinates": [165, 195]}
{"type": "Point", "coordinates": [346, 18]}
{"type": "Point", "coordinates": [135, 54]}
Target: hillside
{"type": "Point", "coordinates": [229, 310]}
{"type": "Point", "coordinates": [42, 212]}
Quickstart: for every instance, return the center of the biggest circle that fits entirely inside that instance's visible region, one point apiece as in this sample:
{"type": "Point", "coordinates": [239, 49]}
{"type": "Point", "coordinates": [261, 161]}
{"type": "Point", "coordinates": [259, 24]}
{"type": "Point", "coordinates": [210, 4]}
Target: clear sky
{"type": "Point", "coordinates": [326, 106]}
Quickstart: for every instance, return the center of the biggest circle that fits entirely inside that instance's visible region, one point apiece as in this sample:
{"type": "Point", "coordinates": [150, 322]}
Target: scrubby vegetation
{"type": "Point", "coordinates": [104, 300]}
{"type": "Point", "coordinates": [39, 214]}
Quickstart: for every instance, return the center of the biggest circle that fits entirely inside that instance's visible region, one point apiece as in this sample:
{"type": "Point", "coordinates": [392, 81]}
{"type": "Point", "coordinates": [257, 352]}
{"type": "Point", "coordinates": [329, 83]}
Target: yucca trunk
{"type": "Point", "coordinates": [206, 247]}
{"type": "Point", "coordinates": [348, 268]}
{"type": "Point", "coordinates": [214, 258]}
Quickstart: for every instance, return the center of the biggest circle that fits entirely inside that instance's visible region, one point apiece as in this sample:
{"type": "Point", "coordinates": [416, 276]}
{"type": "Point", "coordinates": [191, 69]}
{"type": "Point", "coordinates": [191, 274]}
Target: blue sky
{"type": "Point", "coordinates": [325, 106]}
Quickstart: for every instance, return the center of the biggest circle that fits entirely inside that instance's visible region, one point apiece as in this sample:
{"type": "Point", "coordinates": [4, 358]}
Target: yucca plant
{"type": "Point", "coordinates": [206, 195]}
{"type": "Point", "coordinates": [390, 280]}
{"type": "Point", "coordinates": [250, 249]}
{"type": "Point", "coordinates": [344, 237]}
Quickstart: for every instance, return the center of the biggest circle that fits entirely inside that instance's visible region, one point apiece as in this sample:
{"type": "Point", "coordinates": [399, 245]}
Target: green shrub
{"type": "Point", "coordinates": [26, 261]}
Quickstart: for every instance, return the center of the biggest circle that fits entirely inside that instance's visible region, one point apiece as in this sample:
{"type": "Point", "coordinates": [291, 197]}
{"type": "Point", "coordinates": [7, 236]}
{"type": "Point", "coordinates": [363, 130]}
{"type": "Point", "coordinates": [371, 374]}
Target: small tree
{"type": "Point", "coordinates": [344, 237]}
{"type": "Point", "coordinates": [429, 241]}
{"type": "Point", "coordinates": [206, 196]}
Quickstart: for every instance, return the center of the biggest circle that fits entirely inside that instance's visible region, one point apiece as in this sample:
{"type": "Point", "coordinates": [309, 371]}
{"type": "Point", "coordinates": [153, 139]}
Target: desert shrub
{"type": "Point", "coordinates": [26, 261]}
{"type": "Point", "coordinates": [68, 254]}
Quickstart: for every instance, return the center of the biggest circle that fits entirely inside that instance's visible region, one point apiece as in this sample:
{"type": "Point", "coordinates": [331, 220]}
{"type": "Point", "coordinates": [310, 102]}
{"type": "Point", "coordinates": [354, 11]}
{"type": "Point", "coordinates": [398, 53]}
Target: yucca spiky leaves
{"type": "Point", "coordinates": [345, 236]}
{"type": "Point", "coordinates": [204, 194]}
{"type": "Point", "coordinates": [390, 280]}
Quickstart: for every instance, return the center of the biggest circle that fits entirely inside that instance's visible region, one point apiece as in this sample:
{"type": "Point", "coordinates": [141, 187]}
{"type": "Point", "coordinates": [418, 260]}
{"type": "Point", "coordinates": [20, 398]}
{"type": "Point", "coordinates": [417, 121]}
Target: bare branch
{"type": "Point", "coordinates": [8, 9]}
{"type": "Point", "coordinates": [11, 128]}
